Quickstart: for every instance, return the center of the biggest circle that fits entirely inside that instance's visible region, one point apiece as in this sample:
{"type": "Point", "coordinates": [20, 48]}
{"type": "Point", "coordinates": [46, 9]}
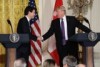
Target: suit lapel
{"type": "Point", "coordinates": [67, 25]}
{"type": "Point", "coordinates": [59, 26]}
{"type": "Point", "coordinates": [27, 21]}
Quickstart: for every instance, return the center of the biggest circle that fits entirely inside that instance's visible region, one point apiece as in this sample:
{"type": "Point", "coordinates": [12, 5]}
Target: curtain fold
{"type": "Point", "coordinates": [12, 10]}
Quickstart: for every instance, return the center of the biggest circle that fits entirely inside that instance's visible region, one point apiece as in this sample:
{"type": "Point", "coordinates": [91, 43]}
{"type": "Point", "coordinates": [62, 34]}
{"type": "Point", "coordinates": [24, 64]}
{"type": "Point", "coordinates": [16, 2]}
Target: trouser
{"type": "Point", "coordinates": [68, 49]}
{"type": "Point", "coordinates": [23, 52]}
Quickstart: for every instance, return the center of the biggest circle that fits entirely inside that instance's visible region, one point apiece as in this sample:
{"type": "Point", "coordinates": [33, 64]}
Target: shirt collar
{"type": "Point", "coordinates": [27, 18]}
{"type": "Point", "coordinates": [64, 17]}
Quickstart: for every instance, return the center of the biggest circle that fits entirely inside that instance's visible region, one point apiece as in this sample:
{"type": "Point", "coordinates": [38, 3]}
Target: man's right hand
{"type": "Point", "coordinates": [40, 38]}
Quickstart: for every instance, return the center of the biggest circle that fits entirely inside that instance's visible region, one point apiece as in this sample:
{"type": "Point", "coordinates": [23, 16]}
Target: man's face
{"type": "Point", "coordinates": [32, 14]}
{"type": "Point", "coordinates": [60, 13]}
{"type": "Point", "coordinates": [65, 65]}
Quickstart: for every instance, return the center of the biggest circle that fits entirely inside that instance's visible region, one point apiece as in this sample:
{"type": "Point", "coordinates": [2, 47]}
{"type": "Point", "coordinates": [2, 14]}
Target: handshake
{"type": "Point", "coordinates": [40, 38]}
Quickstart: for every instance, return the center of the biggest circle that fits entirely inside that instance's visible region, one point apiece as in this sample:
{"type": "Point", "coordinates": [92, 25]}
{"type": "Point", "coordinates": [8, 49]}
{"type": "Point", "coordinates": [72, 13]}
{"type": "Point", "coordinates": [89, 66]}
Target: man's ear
{"type": "Point", "coordinates": [29, 12]}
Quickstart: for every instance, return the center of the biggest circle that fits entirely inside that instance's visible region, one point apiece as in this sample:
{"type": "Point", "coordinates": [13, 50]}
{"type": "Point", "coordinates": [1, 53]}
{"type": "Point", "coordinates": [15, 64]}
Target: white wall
{"type": "Point", "coordinates": [46, 16]}
{"type": "Point", "coordinates": [95, 24]}
{"type": "Point", "coordinates": [46, 10]}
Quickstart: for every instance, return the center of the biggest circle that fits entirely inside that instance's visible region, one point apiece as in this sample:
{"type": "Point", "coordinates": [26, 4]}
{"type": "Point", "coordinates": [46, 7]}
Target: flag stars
{"type": "Point", "coordinates": [31, 5]}
{"type": "Point", "coordinates": [34, 6]}
{"type": "Point", "coordinates": [34, 21]}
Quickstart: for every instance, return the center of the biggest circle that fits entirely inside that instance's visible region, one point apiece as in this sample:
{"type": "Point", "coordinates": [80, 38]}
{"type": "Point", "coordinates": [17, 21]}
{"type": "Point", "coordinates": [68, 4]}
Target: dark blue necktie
{"type": "Point", "coordinates": [63, 32]}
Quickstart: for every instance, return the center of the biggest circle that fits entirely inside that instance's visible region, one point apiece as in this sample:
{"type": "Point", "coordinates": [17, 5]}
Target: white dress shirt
{"type": "Point", "coordinates": [28, 19]}
{"type": "Point", "coordinates": [28, 22]}
{"type": "Point", "coordinates": [65, 26]}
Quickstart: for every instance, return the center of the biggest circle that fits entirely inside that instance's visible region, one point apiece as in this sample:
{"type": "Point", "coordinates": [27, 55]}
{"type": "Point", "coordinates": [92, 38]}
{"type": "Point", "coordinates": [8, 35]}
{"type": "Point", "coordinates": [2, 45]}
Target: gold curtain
{"type": "Point", "coordinates": [13, 10]}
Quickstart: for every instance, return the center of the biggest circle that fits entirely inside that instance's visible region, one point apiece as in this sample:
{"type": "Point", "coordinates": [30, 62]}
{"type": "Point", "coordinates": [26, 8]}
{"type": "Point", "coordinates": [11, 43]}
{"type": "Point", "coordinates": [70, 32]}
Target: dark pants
{"type": "Point", "coordinates": [23, 52]}
{"type": "Point", "coordinates": [71, 48]}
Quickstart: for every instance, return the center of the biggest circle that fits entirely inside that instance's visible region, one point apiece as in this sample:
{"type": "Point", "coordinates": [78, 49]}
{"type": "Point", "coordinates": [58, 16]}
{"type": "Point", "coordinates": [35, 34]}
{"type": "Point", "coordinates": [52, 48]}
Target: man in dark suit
{"type": "Point", "coordinates": [24, 27]}
{"type": "Point", "coordinates": [64, 28]}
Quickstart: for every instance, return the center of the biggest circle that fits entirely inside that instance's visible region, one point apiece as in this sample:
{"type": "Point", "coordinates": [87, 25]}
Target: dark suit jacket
{"type": "Point", "coordinates": [24, 28]}
{"type": "Point", "coordinates": [72, 23]}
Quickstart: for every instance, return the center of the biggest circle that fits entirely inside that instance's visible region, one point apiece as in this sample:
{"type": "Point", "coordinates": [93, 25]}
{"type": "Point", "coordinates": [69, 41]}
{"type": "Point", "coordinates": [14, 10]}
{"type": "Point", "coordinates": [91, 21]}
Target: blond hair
{"type": "Point", "coordinates": [61, 8]}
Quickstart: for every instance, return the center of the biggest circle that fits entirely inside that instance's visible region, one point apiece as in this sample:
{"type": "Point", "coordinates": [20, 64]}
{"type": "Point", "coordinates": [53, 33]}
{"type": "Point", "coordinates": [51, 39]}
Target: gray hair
{"type": "Point", "coordinates": [70, 61]}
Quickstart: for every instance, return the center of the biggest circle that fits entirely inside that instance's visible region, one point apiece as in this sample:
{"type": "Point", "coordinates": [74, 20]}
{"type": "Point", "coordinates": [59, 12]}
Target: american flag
{"type": "Point", "coordinates": [35, 56]}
